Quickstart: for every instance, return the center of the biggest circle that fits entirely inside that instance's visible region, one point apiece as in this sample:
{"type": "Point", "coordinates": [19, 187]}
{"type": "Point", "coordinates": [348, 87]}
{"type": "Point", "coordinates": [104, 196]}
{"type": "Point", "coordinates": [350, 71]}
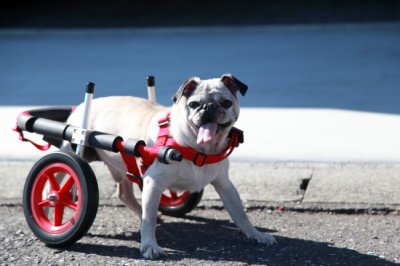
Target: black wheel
{"type": "Point", "coordinates": [60, 198]}
{"type": "Point", "coordinates": [178, 204]}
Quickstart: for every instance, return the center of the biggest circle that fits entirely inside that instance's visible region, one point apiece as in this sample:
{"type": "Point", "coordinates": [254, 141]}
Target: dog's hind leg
{"type": "Point", "coordinates": [125, 191]}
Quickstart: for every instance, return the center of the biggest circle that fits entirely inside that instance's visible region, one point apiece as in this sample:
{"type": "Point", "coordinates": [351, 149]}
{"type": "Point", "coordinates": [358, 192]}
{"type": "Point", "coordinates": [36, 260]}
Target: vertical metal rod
{"type": "Point", "coordinates": [151, 89]}
{"type": "Point", "coordinates": [86, 113]}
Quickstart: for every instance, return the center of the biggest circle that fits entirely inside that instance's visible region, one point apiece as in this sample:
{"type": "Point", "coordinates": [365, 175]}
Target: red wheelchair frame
{"type": "Point", "coordinates": [60, 197]}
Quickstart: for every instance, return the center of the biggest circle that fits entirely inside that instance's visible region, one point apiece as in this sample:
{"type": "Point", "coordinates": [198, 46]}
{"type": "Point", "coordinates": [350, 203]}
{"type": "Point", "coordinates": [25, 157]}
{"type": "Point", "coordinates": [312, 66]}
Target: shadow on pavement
{"type": "Point", "coordinates": [207, 240]}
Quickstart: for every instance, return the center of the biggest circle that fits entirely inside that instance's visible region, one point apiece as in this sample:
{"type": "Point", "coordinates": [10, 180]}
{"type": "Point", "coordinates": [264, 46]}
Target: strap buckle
{"type": "Point", "coordinates": [162, 122]}
{"type": "Point", "coordinates": [199, 159]}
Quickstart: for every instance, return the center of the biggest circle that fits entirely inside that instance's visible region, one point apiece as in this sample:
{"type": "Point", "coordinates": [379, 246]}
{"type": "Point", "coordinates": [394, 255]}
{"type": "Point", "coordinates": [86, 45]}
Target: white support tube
{"type": "Point", "coordinates": [86, 114]}
{"type": "Point", "coordinates": [151, 89]}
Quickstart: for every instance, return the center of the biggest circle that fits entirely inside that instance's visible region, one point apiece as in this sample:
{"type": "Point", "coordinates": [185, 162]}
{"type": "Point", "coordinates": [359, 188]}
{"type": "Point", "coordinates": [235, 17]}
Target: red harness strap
{"type": "Point", "coordinates": [133, 173]}
{"type": "Point", "coordinates": [43, 147]}
{"type": "Point", "coordinates": [149, 154]}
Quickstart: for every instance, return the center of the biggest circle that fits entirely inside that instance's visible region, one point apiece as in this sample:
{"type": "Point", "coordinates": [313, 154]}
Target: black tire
{"type": "Point", "coordinates": [79, 195]}
{"type": "Point", "coordinates": [180, 210]}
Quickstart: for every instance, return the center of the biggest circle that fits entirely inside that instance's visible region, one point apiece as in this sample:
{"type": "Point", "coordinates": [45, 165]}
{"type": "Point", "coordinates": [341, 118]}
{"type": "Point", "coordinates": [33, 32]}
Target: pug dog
{"type": "Point", "coordinates": [201, 117]}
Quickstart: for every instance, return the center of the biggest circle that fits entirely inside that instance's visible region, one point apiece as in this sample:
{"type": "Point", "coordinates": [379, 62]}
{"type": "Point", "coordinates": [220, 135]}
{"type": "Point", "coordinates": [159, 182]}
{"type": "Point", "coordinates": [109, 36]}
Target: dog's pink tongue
{"type": "Point", "coordinates": [207, 131]}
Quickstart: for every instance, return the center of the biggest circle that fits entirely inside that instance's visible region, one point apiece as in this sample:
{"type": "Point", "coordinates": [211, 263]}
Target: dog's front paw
{"type": "Point", "coordinates": [263, 238]}
{"type": "Point", "coordinates": [151, 251]}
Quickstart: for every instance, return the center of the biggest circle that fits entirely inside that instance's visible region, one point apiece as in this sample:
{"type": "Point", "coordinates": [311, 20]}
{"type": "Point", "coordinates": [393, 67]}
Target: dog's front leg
{"type": "Point", "coordinates": [150, 200]}
{"type": "Point", "coordinates": [233, 204]}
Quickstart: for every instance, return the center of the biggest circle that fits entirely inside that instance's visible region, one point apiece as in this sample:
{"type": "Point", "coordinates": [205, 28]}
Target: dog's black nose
{"type": "Point", "coordinates": [210, 112]}
{"type": "Point", "coordinates": [209, 107]}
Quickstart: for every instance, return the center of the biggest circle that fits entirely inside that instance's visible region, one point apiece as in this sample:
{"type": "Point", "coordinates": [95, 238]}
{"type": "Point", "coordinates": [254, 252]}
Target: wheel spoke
{"type": "Point", "coordinates": [58, 214]}
{"type": "Point", "coordinates": [67, 185]}
{"type": "Point", "coordinates": [173, 195]}
{"type": "Point", "coordinates": [53, 182]}
{"type": "Point", "coordinates": [43, 203]}
{"type": "Point", "coordinates": [70, 205]}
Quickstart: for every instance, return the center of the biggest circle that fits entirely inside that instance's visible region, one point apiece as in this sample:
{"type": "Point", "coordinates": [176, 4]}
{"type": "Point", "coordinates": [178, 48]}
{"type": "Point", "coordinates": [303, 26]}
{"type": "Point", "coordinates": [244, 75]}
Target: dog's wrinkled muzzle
{"type": "Point", "coordinates": [208, 128]}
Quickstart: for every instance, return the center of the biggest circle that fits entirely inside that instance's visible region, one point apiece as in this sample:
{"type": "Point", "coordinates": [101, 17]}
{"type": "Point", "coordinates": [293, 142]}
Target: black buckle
{"type": "Point", "coordinates": [202, 158]}
{"type": "Point", "coordinates": [239, 133]}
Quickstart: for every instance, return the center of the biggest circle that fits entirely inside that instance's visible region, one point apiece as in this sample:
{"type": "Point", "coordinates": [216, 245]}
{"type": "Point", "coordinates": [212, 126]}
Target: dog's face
{"type": "Point", "coordinates": [210, 106]}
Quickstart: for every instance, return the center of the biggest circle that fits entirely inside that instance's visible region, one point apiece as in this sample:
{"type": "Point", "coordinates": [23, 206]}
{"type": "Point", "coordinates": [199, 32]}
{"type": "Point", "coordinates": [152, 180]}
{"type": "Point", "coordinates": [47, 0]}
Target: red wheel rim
{"type": "Point", "coordinates": [174, 199]}
{"type": "Point", "coordinates": [56, 198]}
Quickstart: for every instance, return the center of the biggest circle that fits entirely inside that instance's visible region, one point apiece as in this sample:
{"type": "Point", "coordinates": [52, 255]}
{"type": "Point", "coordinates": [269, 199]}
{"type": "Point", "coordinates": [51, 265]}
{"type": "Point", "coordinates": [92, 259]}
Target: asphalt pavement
{"type": "Point", "coordinates": [208, 237]}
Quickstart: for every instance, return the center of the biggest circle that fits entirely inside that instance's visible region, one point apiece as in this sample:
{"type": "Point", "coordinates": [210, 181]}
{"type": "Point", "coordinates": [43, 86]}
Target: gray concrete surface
{"type": "Point", "coordinates": [356, 184]}
{"type": "Point", "coordinates": [298, 186]}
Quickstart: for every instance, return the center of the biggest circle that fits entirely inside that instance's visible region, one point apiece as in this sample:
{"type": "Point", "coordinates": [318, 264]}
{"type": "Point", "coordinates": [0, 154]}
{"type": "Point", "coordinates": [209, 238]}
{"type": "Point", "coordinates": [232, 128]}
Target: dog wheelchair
{"type": "Point", "coordinates": [61, 195]}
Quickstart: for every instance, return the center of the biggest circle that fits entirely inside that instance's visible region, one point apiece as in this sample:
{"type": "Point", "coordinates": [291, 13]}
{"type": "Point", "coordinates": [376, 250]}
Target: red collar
{"type": "Point", "coordinates": [235, 137]}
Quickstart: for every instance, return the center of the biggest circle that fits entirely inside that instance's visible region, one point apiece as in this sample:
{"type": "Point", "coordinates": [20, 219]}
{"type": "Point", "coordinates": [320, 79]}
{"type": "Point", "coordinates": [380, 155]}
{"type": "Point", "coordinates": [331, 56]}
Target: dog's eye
{"type": "Point", "coordinates": [194, 105]}
{"type": "Point", "coordinates": [226, 104]}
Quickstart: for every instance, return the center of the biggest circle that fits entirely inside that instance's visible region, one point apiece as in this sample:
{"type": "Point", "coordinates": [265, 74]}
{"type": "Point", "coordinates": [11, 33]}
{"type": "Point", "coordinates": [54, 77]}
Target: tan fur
{"type": "Point", "coordinates": [136, 118]}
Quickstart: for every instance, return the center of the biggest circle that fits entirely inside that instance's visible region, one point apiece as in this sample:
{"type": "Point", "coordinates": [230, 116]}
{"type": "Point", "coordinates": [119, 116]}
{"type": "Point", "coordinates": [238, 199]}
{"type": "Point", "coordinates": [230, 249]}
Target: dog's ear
{"type": "Point", "coordinates": [233, 84]}
{"type": "Point", "coordinates": [187, 87]}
